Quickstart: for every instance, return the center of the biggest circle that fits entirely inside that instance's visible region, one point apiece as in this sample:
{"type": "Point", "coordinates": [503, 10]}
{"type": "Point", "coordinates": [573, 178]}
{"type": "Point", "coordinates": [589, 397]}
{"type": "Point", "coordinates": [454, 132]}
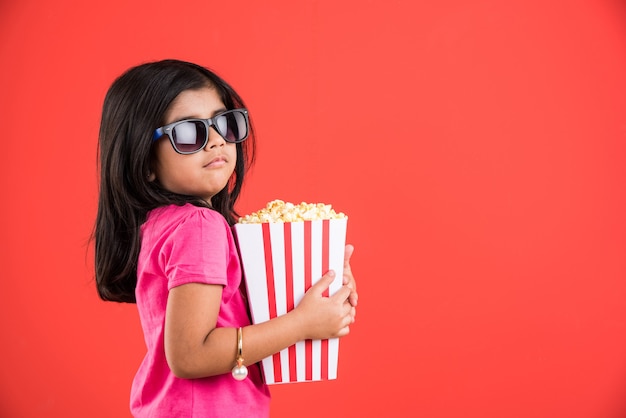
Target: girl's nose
{"type": "Point", "coordinates": [215, 139]}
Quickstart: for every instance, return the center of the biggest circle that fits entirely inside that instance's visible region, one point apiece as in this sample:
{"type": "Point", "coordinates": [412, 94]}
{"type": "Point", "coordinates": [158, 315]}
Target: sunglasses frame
{"type": "Point", "coordinates": [208, 123]}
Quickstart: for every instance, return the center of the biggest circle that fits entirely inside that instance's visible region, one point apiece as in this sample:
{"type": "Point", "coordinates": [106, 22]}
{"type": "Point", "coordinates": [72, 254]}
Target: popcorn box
{"type": "Point", "coordinates": [281, 260]}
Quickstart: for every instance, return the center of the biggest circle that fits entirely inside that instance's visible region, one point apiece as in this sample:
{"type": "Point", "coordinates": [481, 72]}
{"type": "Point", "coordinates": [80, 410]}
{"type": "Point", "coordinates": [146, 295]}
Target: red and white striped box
{"type": "Point", "coordinates": [280, 262]}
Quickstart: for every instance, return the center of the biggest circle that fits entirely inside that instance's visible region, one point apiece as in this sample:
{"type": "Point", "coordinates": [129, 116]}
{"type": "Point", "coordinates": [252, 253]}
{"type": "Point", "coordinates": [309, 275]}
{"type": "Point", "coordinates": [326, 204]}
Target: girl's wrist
{"type": "Point", "coordinates": [296, 323]}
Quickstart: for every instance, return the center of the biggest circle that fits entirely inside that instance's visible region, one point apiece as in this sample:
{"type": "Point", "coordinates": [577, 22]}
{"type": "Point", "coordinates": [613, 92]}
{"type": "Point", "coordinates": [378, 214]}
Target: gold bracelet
{"type": "Point", "coordinates": [240, 371]}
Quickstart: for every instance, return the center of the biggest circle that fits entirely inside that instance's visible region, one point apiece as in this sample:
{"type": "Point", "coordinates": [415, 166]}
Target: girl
{"type": "Point", "coordinates": [175, 144]}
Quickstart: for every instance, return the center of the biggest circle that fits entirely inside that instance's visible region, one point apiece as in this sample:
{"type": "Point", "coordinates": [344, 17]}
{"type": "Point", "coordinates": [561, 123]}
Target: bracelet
{"type": "Point", "coordinates": [240, 371]}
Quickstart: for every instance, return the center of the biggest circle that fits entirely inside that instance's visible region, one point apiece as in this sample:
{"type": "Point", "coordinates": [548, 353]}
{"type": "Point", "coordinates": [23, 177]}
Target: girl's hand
{"type": "Point", "coordinates": [322, 317]}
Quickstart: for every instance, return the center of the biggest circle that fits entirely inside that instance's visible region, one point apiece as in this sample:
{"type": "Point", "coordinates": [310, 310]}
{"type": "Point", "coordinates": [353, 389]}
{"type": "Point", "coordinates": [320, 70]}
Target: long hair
{"type": "Point", "coordinates": [133, 108]}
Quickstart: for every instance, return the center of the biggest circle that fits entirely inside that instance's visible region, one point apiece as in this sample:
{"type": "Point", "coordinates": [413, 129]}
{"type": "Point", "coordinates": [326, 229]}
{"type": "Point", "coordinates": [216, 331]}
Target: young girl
{"type": "Point", "coordinates": [175, 144]}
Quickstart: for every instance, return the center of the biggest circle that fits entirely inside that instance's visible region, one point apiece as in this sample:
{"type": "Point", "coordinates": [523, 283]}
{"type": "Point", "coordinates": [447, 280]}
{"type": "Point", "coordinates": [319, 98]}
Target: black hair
{"type": "Point", "coordinates": [133, 108]}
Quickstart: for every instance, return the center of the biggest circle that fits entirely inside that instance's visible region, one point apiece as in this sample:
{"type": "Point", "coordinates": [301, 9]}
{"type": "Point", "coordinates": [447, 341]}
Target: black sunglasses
{"type": "Point", "coordinates": [191, 135]}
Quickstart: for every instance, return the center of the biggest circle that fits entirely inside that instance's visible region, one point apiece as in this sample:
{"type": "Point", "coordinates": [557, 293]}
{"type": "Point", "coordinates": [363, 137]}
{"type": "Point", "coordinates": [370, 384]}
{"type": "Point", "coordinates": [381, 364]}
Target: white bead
{"type": "Point", "coordinates": [240, 372]}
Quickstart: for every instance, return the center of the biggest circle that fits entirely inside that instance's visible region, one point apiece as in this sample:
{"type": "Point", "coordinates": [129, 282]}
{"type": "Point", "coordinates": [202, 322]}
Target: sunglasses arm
{"type": "Point", "coordinates": [157, 134]}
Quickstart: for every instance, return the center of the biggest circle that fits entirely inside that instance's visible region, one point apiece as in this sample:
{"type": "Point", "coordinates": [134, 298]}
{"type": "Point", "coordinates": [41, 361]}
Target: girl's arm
{"type": "Point", "coordinates": [194, 347]}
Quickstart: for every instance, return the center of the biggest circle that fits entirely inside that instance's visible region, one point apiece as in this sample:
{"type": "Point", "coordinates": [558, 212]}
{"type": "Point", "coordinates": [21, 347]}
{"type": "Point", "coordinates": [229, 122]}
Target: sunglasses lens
{"type": "Point", "coordinates": [189, 136]}
{"type": "Point", "coordinates": [232, 126]}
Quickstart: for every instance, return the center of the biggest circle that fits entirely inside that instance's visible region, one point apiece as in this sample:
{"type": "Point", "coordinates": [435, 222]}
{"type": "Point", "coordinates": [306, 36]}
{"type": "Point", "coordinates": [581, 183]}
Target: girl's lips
{"type": "Point", "coordinates": [216, 162]}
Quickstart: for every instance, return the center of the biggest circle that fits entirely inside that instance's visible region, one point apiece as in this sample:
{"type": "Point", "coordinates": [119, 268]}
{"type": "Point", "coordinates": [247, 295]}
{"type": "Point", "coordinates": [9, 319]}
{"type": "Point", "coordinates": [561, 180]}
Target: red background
{"type": "Point", "coordinates": [478, 148]}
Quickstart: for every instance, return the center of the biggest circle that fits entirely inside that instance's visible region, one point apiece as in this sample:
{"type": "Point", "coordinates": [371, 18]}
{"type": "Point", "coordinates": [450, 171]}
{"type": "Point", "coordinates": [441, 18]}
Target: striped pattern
{"type": "Point", "coordinates": [281, 261]}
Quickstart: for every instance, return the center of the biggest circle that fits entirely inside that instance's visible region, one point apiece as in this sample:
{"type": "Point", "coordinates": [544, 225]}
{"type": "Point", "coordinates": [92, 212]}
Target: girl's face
{"type": "Point", "coordinates": [206, 172]}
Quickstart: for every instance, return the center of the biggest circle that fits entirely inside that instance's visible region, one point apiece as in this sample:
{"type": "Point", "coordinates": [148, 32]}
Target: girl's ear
{"type": "Point", "coordinates": [151, 176]}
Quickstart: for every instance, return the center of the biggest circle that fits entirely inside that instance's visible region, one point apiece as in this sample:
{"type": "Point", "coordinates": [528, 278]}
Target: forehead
{"type": "Point", "coordinates": [200, 103]}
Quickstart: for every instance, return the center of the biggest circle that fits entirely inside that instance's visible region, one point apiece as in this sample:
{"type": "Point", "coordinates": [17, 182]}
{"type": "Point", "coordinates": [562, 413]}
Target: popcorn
{"type": "Point", "coordinates": [280, 211]}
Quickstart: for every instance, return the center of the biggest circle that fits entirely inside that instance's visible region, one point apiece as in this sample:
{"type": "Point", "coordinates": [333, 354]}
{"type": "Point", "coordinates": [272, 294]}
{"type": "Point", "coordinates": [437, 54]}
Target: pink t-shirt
{"type": "Point", "coordinates": [188, 244]}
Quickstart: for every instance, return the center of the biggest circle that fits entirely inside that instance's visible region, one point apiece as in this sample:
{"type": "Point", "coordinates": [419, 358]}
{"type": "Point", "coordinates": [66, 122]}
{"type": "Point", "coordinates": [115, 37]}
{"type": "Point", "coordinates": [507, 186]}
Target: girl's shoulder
{"type": "Point", "coordinates": [175, 214]}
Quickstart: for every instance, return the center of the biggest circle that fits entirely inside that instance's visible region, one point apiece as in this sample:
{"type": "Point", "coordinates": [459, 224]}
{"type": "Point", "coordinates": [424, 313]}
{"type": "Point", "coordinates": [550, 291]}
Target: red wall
{"type": "Point", "coordinates": [477, 146]}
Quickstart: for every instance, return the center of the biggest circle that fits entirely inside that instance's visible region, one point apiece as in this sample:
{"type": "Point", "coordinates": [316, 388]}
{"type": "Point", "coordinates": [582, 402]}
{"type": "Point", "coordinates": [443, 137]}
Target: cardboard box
{"type": "Point", "coordinates": [280, 262]}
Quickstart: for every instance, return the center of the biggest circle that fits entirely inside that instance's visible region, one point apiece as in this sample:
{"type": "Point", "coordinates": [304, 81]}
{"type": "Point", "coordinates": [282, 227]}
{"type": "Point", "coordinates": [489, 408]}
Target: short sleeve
{"type": "Point", "coordinates": [197, 250]}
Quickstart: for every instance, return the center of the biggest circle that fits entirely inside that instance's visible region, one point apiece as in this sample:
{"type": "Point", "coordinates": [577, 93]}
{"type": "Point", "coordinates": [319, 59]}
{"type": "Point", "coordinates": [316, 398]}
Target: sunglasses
{"type": "Point", "coordinates": [191, 135]}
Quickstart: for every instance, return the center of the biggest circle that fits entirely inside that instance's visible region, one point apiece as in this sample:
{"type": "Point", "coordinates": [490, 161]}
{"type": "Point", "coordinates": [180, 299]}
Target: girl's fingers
{"type": "Point", "coordinates": [323, 283]}
{"type": "Point", "coordinates": [342, 294]}
{"type": "Point", "coordinates": [349, 249]}
{"type": "Point", "coordinates": [348, 278]}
